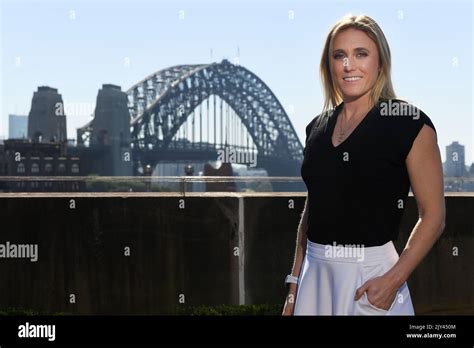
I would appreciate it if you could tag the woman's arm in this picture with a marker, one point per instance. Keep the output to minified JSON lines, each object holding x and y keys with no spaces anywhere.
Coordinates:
{"x":300,"y":253}
{"x":426,"y":178}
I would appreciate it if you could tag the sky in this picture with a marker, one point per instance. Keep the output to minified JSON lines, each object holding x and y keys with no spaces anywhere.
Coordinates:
{"x":76,"y":46}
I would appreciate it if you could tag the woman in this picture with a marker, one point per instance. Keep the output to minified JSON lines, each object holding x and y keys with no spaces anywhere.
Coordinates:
{"x":362,"y":154}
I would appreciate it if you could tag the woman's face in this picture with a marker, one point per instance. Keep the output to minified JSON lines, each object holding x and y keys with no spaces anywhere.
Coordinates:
{"x":354,"y":63}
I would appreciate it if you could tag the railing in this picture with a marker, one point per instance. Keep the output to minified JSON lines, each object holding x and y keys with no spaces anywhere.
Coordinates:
{"x":180,"y":184}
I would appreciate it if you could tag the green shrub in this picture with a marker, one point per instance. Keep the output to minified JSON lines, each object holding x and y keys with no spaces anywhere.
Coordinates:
{"x":220,"y":310}
{"x":230,"y":310}
{"x":27,"y":312}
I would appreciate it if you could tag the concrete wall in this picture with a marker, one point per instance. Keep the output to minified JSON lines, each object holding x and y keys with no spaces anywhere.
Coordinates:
{"x":191,"y":250}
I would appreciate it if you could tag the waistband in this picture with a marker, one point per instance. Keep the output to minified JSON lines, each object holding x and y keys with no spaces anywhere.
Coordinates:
{"x":352,"y":252}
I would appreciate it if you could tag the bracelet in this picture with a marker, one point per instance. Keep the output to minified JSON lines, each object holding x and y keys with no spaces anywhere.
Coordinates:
{"x":291,"y":279}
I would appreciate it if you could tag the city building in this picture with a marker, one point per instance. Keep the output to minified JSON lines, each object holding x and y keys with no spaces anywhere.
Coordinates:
{"x":17,"y":126}
{"x":24,"y":158}
{"x":455,"y":165}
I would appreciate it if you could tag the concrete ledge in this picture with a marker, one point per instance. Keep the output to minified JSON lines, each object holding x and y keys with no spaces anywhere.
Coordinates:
{"x":177,"y":194}
{"x":192,"y":250}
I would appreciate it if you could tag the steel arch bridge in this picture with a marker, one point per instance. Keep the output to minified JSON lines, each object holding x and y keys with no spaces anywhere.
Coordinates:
{"x":163,"y":102}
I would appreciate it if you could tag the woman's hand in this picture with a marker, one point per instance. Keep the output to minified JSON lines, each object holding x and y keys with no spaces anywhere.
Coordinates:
{"x":289,"y":307}
{"x":381,"y":292}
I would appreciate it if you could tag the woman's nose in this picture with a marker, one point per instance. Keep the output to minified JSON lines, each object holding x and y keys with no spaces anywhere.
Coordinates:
{"x":347,"y":63}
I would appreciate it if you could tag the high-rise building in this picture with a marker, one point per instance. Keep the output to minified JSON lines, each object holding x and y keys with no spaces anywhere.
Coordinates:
{"x":455,"y":165}
{"x":17,"y":126}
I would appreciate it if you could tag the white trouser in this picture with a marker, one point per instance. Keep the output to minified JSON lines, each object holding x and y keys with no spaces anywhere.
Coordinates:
{"x":330,"y":276}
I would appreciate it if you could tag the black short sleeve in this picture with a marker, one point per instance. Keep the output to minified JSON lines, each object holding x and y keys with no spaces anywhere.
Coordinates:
{"x":411,"y":128}
{"x":309,"y":128}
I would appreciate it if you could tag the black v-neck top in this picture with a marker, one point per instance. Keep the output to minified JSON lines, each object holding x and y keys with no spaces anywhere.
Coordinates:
{"x":357,"y":191}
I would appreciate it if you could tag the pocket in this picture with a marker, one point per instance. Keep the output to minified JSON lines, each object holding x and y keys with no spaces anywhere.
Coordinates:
{"x":369,"y":272}
{"x":385,"y":311}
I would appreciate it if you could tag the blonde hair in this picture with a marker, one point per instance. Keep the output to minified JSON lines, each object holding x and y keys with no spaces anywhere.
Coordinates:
{"x":383,"y":88}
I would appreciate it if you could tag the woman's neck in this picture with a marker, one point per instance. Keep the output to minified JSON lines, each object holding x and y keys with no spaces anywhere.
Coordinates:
{"x":357,"y":107}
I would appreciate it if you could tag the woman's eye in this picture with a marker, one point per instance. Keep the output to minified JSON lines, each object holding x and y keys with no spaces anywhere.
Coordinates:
{"x":362,"y":54}
{"x":338,"y":56}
